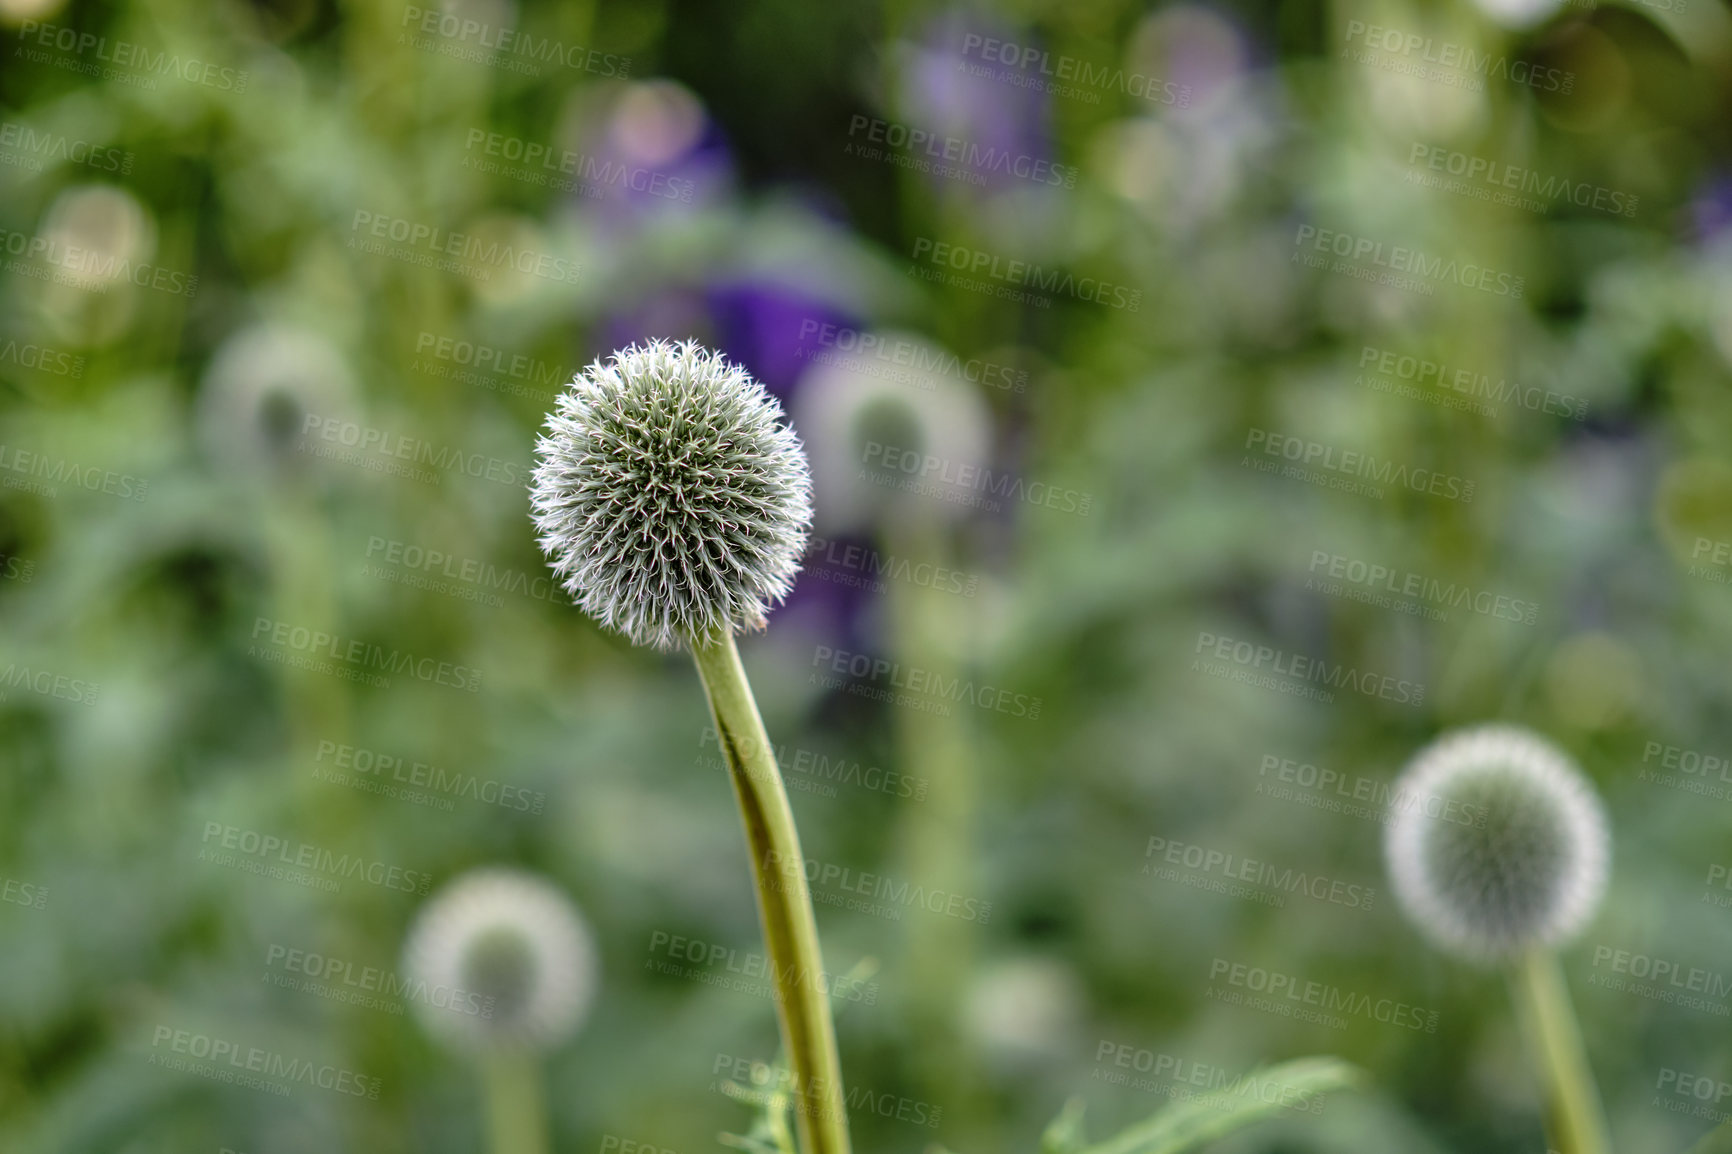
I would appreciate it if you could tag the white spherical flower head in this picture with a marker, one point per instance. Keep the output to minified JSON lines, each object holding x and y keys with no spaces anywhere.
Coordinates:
{"x":1499,"y":843}
{"x":892,"y":439}
{"x":506,"y":962}
{"x":670,"y":497}
{"x":1518,"y":13}
{"x":262,"y":386}
{"x":1025,"y":1009}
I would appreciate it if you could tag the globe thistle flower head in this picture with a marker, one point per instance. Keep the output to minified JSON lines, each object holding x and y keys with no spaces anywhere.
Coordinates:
{"x":1505,"y":846}
{"x":261,"y":386}
{"x":1518,"y":13}
{"x":1024,"y":1011}
{"x":668,"y":495}
{"x":887,"y":447}
{"x":506,"y":960}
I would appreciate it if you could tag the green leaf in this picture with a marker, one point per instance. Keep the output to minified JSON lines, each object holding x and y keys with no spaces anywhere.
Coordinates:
{"x":770,"y":1132}
{"x":1716,"y":1141}
{"x":1187,"y":1124}
{"x":1064,"y":1135}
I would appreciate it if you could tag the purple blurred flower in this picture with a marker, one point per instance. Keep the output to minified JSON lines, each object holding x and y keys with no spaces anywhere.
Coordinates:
{"x":833,"y":593}
{"x":655,"y":151}
{"x":1196,"y":47}
{"x":942,"y":90}
{"x":773,"y":329}
{"x":674,"y":312}
{"x":770,"y":327}
{"x":1711,"y":210}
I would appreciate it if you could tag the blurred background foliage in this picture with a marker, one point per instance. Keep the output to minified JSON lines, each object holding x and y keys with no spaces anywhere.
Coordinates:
{"x":172,"y":516}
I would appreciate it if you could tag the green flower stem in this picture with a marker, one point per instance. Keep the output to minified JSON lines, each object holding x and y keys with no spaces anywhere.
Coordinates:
{"x":784,"y":902}
{"x":936,"y":836}
{"x":1577,"y":1122}
{"x":516,"y":1116}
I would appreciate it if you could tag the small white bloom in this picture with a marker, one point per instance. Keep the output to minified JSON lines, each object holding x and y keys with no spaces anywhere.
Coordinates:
{"x":893,"y":434}
{"x":261,"y":386}
{"x":1025,"y":1010}
{"x":506,"y":959}
{"x":1510,"y":849}
{"x":669,"y":497}
{"x":1519,"y":13}
{"x":106,"y":226}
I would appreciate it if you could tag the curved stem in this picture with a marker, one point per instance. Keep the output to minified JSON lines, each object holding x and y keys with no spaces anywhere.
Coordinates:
{"x":516,"y":1118}
{"x":784,"y":902}
{"x":1575,"y":1117}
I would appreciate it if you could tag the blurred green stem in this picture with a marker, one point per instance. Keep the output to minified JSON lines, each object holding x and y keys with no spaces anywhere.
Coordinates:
{"x":937,"y":833}
{"x":516,"y":1117}
{"x":1574,"y":1115}
{"x":784,"y":902}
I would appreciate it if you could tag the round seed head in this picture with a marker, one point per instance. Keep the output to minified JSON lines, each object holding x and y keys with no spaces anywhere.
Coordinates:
{"x":669,"y":497}
{"x":261,"y":386}
{"x":1518,"y":13}
{"x":1510,"y":850}
{"x":1024,"y":1010}
{"x":892,"y":442}
{"x":516,"y":955}
{"x":107,"y":220}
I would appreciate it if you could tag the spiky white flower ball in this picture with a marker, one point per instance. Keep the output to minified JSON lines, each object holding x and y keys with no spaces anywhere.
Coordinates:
{"x":514,"y":942}
{"x":669,"y":497}
{"x":1511,"y":849}
{"x":890,"y":436}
